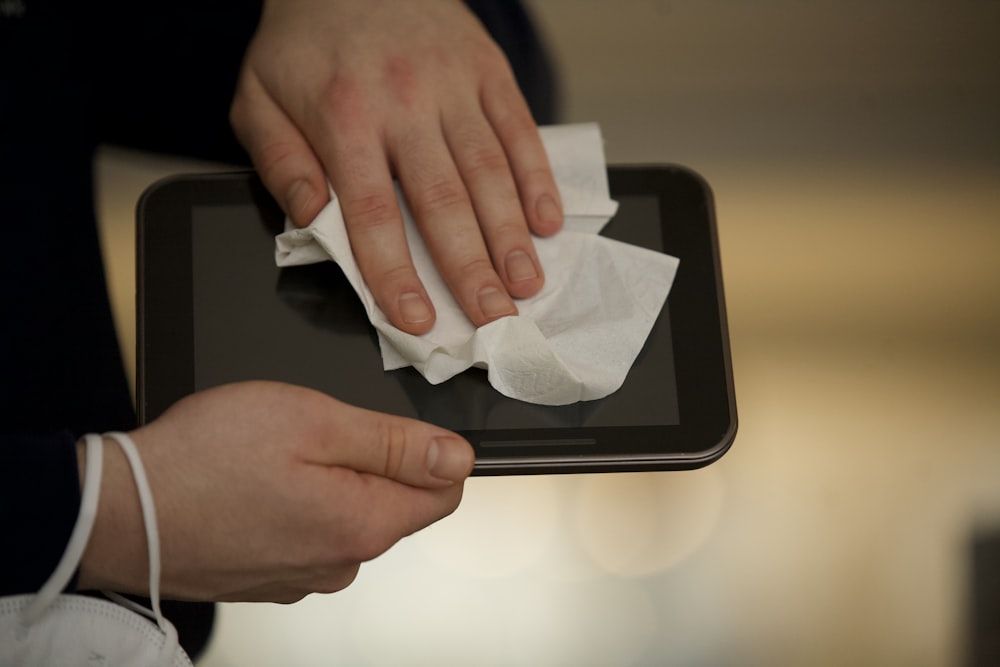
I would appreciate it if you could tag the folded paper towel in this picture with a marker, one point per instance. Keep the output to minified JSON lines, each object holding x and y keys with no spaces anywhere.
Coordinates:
{"x":573,"y":341}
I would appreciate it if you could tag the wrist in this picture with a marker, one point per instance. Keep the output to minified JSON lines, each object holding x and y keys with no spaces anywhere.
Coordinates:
{"x":115,"y":557}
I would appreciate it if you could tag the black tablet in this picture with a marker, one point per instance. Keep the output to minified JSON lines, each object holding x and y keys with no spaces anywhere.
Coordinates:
{"x":212,"y":308}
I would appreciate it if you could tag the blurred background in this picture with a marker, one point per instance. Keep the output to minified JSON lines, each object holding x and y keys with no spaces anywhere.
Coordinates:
{"x":854,"y":152}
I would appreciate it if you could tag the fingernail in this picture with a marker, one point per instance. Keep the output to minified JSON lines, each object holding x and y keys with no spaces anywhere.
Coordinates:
{"x":414,"y":309}
{"x":495,"y":303}
{"x":520,"y":267}
{"x":449,"y":459}
{"x":549,"y":213}
{"x":299,"y":196}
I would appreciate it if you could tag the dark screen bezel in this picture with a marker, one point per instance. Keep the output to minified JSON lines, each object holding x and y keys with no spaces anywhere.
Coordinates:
{"x":165,"y":341}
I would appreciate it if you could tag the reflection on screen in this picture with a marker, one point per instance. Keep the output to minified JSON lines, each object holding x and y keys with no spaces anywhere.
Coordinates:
{"x":306,"y":326}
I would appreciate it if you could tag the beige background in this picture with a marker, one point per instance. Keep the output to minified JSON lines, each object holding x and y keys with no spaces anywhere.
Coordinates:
{"x":854,"y":151}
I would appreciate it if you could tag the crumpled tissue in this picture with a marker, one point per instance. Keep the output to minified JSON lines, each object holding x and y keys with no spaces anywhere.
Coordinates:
{"x":573,"y":341}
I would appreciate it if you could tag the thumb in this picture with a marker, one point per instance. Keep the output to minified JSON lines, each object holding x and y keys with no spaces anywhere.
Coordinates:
{"x":405,"y":450}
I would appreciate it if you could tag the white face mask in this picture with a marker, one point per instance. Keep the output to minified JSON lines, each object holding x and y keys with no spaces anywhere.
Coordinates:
{"x":54,"y":629}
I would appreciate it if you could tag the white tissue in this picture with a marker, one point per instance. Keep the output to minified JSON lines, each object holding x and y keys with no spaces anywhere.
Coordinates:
{"x":573,"y":341}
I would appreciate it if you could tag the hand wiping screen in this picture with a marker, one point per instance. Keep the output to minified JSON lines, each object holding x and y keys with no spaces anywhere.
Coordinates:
{"x":575,"y":340}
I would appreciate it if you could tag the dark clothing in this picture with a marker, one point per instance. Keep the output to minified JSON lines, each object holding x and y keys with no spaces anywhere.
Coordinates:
{"x":75,"y":75}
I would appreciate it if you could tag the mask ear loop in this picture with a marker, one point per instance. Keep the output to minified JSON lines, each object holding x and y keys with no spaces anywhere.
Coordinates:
{"x":78,"y":539}
{"x":170,"y":644}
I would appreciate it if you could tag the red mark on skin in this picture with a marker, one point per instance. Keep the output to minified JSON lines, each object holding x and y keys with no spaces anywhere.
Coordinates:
{"x":401,"y":80}
{"x":346,"y":107}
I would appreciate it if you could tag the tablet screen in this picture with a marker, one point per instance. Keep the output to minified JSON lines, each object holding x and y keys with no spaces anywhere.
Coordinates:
{"x":307,"y":327}
{"x":212,"y":308}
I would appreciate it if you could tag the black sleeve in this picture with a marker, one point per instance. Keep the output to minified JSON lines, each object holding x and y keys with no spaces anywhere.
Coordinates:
{"x":39,"y":503}
{"x":514,"y":29}
{"x":168,"y":77}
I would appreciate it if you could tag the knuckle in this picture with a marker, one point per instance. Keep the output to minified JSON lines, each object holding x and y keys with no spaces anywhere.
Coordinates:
{"x":372,"y":548}
{"x":368,"y":545}
{"x":441,"y":195}
{"x":481,"y":151}
{"x":509,"y":229}
{"x":474,"y":268}
{"x":542,"y":176}
{"x":369,"y":211}
{"x":238,"y":115}
{"x":290,"y":597}
{"x":486,"y":161}
{"x":343,"y":96}
{"x":278,"y":161}
{"x":393,"y":437}
{"x":352,"y":540}
{"x":240,"y":108}
{"x":344,"y":105}
{"x":510,"y":114}
{"x":387,"y":281}
{"x":487,"y":57}
{"x":403,"y":82}
{"x":338,"y":579}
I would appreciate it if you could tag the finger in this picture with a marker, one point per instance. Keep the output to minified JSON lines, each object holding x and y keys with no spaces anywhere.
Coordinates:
{"x":286,"y":164}
{"x":353,"y":151}
{"x":396,"y":448}
{"x":485,"y":170}
{"x":324,"y":581}
{"x":444,"y":214}
{"x":511,"y":119}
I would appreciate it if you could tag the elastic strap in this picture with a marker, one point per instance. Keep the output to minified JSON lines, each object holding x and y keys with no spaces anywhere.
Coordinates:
{"x":78,"y":539}
{"x":153,"y":541}
{"x":77,"y":544}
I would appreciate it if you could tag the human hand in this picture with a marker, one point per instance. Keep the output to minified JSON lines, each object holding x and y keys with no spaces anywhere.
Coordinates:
{"x":359,"y":91}
{"x":269,"y":492}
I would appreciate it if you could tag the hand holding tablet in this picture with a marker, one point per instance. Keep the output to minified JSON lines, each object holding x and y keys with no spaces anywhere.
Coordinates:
{"x":288,"y":491}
